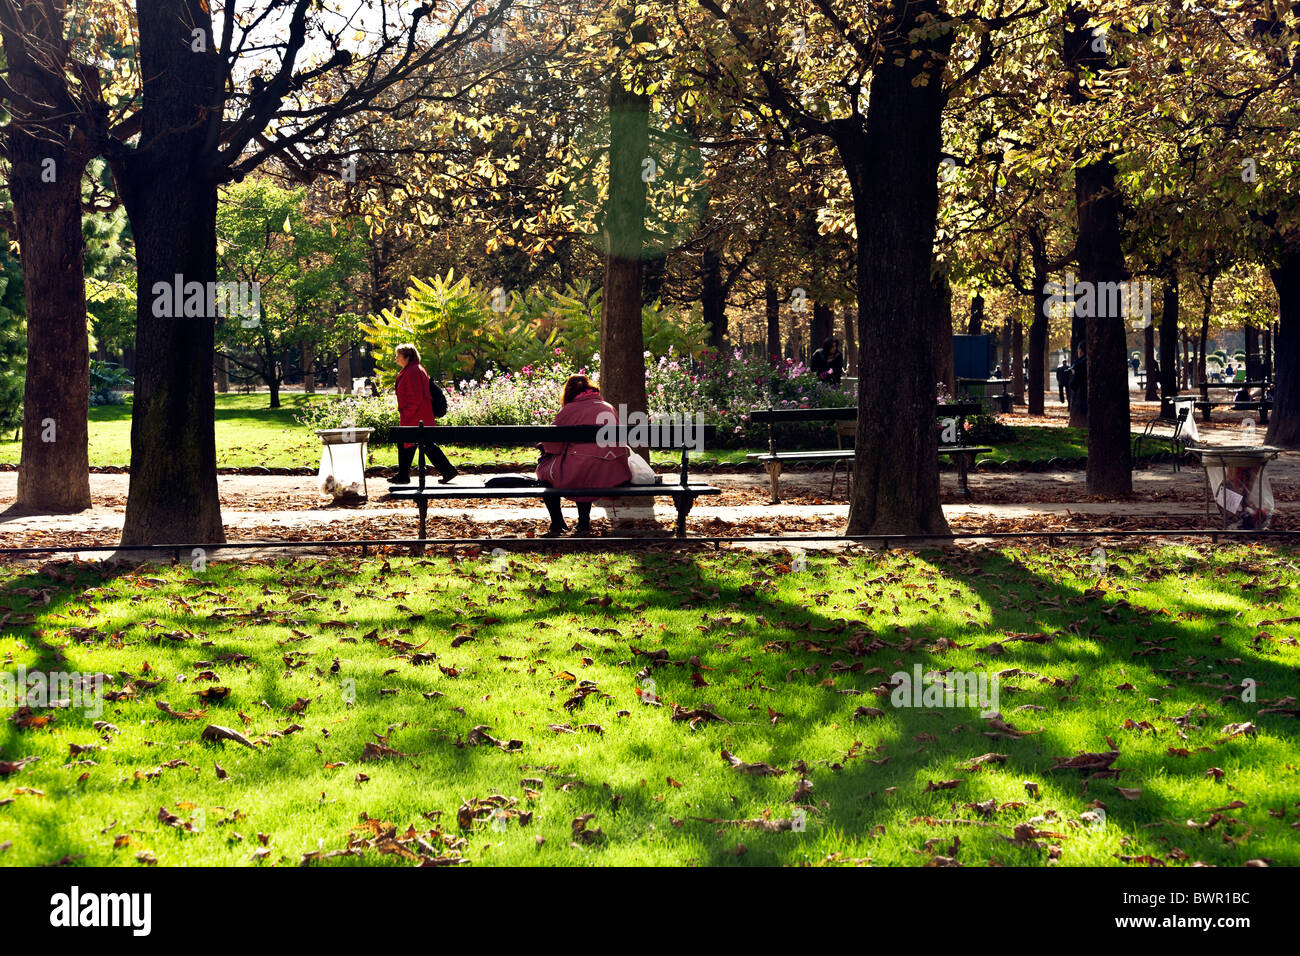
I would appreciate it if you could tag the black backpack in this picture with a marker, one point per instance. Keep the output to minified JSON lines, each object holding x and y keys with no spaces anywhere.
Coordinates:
{"x":438,"y":398}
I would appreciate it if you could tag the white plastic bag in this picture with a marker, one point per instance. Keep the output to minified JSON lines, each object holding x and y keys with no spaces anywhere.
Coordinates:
{"x":642,"y":473}
{"x":342,"y":470}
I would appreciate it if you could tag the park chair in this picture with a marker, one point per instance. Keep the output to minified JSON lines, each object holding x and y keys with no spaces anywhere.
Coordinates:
{"x":1183,"y":433}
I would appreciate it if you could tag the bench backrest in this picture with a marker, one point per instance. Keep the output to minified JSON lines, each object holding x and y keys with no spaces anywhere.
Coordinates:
{"x":660,"y":435}
{"x":777,"y":416}
{"x":670,"y":434}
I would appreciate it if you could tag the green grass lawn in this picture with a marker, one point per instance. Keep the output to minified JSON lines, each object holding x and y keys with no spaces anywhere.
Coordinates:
{"x":360,"y":685}
{"x":250,"y":434}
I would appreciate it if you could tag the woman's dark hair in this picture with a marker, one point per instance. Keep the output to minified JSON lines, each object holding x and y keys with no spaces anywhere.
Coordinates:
{"x":826,"y":346}
{"x":575,"y":386}
{"x":410,"y":351}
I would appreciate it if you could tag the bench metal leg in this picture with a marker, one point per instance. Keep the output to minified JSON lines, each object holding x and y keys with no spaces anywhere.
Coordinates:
{"x":774,"y":473}
{"x":683,"y":503}
{"x":963,"y":462}
{"x":423,"y":506}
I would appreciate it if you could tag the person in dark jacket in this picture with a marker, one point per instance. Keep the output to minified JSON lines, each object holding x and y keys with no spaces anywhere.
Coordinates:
{"x":828,"y":362}
{"x":415,"y":406}
{"x":1079,"y":382}
{"x":1063,"y":381}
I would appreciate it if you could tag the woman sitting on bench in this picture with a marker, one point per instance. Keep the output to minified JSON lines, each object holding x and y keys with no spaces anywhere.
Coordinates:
{"x":581,"y":464}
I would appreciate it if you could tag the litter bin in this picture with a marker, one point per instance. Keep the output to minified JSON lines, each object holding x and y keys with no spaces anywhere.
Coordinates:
{"x":1235,"y":480}
{"x":343,"y":462}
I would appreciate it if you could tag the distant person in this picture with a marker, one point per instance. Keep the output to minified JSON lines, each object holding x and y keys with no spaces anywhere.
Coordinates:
{"x":1136,"y":363}
{"x":1243,"y":395}
{"x":1079,"y":383}
{"x":827,"y":362}
{"x":581,"y":464}
{"x":1063,"y":381}
{"x":415,"y":406}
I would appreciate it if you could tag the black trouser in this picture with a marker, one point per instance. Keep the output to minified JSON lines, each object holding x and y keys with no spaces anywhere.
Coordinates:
{"x":432,"y":453}
{"x":557,"y":516}
{"x":1061,"y":388}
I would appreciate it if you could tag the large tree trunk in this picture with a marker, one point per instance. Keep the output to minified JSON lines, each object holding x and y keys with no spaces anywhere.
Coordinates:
{"x":713,"y":299}
{"x":171,"y":199}
{"x":892,"y":168}
{"x":1284,"y":424}
{"x":622,"y":344}
{"x":1101,"y":259}
{"x":772,"y":309}
{"x":46,"y":167}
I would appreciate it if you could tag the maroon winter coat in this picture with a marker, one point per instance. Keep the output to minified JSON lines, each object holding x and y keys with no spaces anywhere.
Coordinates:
{"x":413,"y":401}
{"x":584,"y":464}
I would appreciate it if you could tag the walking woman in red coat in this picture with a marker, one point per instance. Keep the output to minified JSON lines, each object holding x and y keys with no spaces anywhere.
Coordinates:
{"x":581,"y":464}
{"x":415,"y":406}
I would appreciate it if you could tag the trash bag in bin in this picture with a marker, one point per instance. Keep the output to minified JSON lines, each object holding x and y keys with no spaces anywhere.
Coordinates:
{"x":1243,"y":494}
{"x":343,"y":463}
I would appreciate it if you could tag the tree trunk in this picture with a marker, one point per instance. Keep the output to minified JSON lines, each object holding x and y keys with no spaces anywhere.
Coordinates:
{"x":772,"y":307}
{"x":171,"y":199}
{"x":1149,"y":360}
{"x":1078,"y":336}
{"x":223,"y":372}
{"x":622,"y":345}
{"x":1207,"y":304}
{"x":976,"y":325}
{"x":713,"y":299}
{"x":945,"y":367}
{"x":1168,"y":346}
{"x":1018,"y":362}
{"x":1284,"y":423}
{"x":1268,"y":353}
{"x":345,"y":370}
{"x":851,"y":341}
{"x":1101,"y":260}
{"x":891,"y":166}
{"x":308,"y":368}
{"x":1038,"y":340}
{"x":45,"y":185}
{"x":1254,"y":366}
{"x":823,"y":325}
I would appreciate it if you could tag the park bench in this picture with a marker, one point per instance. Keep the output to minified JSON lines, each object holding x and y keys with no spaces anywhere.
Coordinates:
{"x":978,"y":389}
{"x":962,"y":456}
{"x":1177,"y":440}
{"x":1205,"y":405}
{"x":673,"y":437}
